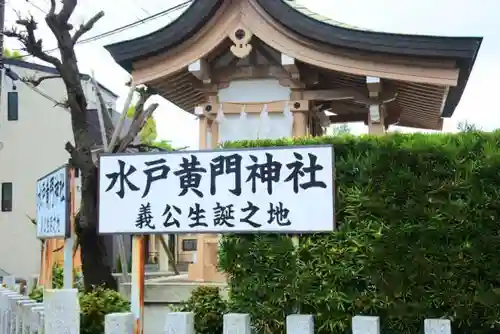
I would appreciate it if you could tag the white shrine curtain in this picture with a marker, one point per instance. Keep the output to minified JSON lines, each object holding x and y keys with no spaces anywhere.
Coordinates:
{"x":262,"y":125}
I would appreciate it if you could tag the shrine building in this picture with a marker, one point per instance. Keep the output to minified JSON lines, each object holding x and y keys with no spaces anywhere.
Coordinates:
{"x":252,"y":69}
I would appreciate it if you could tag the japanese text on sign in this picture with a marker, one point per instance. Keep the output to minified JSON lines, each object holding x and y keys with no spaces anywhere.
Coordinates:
{"x":52,"y":211}
{"x":286,"y":189}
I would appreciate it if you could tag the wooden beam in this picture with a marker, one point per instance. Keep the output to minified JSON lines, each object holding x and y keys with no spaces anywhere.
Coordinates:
{"x":201,"y":70}
{"x":338,"y":108}
{"x":265,"y":53}
{"x":347,"y":118}
{"x":341,"y":94}
{"x":226,"y":74}
{"x":445,"y":97}
{"x":206,"y":88}
{"x":273,"y":107}
{"x":332,"y":94}
{"x":289,"y":65}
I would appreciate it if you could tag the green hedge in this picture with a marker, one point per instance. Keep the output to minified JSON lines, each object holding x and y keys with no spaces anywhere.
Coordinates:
{"x":208,"y":307}
{"x":418,"y":237}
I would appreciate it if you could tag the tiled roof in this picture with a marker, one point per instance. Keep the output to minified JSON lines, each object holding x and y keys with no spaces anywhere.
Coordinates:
{"x":318,"y":17}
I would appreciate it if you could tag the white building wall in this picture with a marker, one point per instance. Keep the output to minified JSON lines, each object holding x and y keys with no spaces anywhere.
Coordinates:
{"x":31,"y":147}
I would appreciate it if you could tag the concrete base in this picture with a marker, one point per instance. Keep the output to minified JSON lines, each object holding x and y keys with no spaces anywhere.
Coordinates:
{"x":161,"y":293}
{"x":147,"y":275}
{"x":170,"y":290}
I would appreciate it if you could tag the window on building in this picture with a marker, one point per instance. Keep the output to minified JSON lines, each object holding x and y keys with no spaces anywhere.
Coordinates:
{"x":12,"y":106}
{"x":189,"y":245}
{"x":6,"y":196}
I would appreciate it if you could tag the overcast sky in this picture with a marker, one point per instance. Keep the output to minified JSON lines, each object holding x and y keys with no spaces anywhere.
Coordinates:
{"x":434,"y":17}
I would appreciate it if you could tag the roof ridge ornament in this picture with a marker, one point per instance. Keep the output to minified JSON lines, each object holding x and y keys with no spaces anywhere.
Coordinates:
{"x":241,"y":38}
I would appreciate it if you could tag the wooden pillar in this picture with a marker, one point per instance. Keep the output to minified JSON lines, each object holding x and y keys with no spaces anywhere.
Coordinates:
{"x":203,"y":129}
{"x":205,"y":267}
{"x":300,"y":124}
{"x":376,"y":115}
{"x":214,"y":130}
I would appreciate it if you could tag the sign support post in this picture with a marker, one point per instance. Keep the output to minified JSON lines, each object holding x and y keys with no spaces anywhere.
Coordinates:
{"x":68,"y":241}
{"x":137,"y":286}
{"x":53,"y":218}
{"x":48,"y":264}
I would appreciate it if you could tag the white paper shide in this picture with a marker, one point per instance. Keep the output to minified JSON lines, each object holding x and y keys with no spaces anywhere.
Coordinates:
{"x":278,"y":189}
{"x":52,"y":209}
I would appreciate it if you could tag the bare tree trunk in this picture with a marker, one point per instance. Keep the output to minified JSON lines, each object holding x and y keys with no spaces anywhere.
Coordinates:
{"x":96,"y":270}
{"x":96,"y":263}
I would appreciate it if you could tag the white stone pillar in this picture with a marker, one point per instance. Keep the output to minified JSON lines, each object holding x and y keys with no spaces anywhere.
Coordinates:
{"x":31,"y":284}
{"x":13,"y":300}
{"x":10,"y":282}
{"x":300,"y":324}
{"x":365,"y":325}
{"x":119,"y":323}
{"x":62,"y":311}
{"x":20,"y":314}
{"x":237,"y":323}
{"x":179,"y":323}
{"x":36,"y":326}
{"x":5,"y":309}
{"x":1,"y":307}
{"x":437,"y":326}
{"x":27,"y":317}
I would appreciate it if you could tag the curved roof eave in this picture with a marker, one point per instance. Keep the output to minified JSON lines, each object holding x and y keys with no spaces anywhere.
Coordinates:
{"x":305,"y":23}
{"x":181,"y":29}
{"x":365,"y":40}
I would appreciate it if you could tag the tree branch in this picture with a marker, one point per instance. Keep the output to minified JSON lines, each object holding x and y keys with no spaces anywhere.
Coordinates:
{"x":108,"y":122}
{"x":58,"y":249}
{"x":144,"y":94}
{"x":137,"y":125}
{"x":65,"y":13}
{"x":52,"y":10}
{"x":37,"y":81}
{"x":29,"y":41}
{"x":84,"y":28}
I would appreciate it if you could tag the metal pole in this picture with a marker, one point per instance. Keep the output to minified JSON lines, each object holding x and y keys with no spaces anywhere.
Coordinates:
{"x":68,"y":242}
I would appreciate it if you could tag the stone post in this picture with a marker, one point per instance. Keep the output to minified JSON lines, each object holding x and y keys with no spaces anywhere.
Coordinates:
{"x":31,"y":284}
{"x":26,"y":315}
{"x":119,"y":323}
{"x":34,"y":320}
{"x":300,"y":324}
{"x":20,"y":314}
{"x":10,"y":282}
{"x":13,"y":300}
{"x":5,"y":309}
{"x":179,"y":323}
{"x":437,"y":326}
{"x":62,"y":311}
{"x":237,"y":323}
{"x":365,"y":325}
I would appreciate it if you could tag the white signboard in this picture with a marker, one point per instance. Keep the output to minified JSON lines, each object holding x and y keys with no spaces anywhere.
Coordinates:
{"x":277,"y":189}
{"x":52,"y":204}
